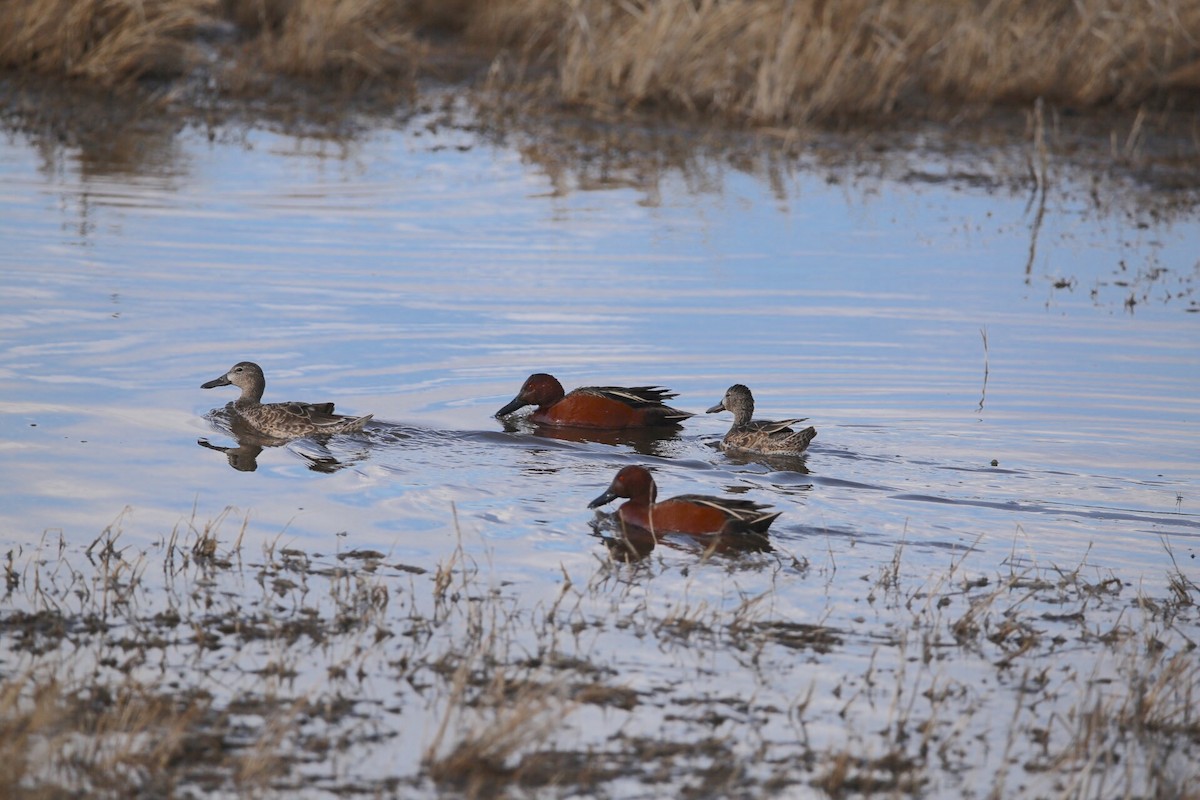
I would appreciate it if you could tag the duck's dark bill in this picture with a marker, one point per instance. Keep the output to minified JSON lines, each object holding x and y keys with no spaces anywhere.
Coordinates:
{"x":607,"y":497}
{"x":516,"y":403}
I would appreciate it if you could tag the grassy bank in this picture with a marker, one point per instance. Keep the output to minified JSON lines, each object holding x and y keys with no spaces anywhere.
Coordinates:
{"x":766,"y":63}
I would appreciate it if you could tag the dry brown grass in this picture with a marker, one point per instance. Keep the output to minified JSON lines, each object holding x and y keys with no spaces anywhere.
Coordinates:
{"x":116,"y":739}
{"x":350,"y":40}
{"x":765,"y":62}
{"x":506,"y":721}
{"x":104,"y":42}
{"x":775,"y":62}
{"x":113,"y":43}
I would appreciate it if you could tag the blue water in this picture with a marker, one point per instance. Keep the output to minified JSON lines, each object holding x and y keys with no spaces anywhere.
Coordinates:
{"x":422,"y":276}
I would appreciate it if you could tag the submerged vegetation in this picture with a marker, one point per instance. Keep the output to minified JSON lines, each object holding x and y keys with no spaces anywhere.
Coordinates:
{"x":192,"y":666}
{"x":767,"y":63}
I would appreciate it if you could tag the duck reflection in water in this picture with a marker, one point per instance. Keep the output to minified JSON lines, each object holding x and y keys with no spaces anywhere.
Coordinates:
{"x":243,"y":458}
{"x":779,"y":463}
{"x":720,"y":524}
{"x":632,"y":544}
{"x":660,"y":441}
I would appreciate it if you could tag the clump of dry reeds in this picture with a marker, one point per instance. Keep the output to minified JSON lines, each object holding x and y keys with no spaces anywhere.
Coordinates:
{"x":766,"y":62}
{"x":778,"y":62}
{"x":103,"y":42}
{"x":113,"y":43}
{"x":346,"y":41}
{"x":131,"y":737}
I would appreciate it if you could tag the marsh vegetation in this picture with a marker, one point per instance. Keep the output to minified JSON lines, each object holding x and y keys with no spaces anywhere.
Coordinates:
{"x":193,"y":666}
{"x":765,"y":63}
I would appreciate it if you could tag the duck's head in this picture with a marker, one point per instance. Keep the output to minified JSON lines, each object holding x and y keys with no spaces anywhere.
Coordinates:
{"x":634,"y":483}
{"x":737,"y":400}
{"x":538,"y":390}
{"x":246,"y":375}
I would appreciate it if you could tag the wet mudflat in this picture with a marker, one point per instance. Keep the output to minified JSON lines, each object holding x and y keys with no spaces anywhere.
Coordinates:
{"x":983,"y":581}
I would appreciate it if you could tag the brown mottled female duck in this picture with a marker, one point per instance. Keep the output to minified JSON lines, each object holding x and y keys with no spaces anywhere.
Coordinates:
{"x":694,"y":514}
{"x":281,"y":420}
{"x":595,"y":406}
{"x":759,"y":437}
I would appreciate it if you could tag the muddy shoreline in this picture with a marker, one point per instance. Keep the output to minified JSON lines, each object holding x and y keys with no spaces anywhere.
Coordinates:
{"x":1154,"y":155}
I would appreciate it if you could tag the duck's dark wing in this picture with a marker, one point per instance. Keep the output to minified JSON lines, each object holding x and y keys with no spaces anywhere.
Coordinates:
{"x":652,"y":397}
{"x":636,"y":396}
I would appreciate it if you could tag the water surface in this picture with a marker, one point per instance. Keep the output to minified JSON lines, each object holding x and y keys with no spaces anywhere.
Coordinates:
{"x":971,"y":402}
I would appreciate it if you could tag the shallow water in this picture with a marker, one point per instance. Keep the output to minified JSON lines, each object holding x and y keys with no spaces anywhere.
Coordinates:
{"x":421,"y":274}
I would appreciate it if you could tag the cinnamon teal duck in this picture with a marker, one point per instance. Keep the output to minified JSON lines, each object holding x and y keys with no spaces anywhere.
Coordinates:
{"x":613,"y":407}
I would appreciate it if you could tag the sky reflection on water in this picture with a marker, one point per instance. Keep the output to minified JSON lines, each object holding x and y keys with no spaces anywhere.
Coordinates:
{"x":423,"y":277}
